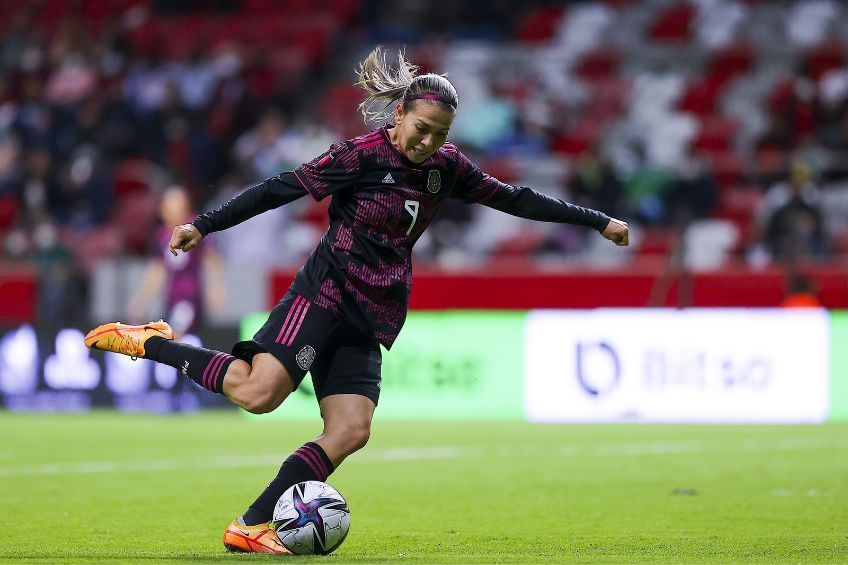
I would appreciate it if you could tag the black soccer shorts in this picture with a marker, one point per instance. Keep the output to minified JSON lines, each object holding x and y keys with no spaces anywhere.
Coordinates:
{"x":306,"y":337}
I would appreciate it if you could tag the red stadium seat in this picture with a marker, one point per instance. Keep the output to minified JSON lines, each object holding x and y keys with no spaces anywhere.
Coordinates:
{"x":716,"y":135}
{"x":131,"y":176}
{"x":826,"y":57}
{"x":520,"y":245}
{"x":9,"y":207}
{"x":672,"y":25}
{"x":656,"y":241}
{"x":701,"y":95}
{"x":733,"y":60}
{"x":539,"y":25}
{"x":597,"y":64}
{"x":739,"y":201}
{"x":727,"y":168}
{"x":135,"y":217}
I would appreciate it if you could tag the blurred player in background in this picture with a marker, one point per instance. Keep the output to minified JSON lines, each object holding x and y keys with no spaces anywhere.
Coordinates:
{"x":352,"y":294}
{"x":181,"y":276}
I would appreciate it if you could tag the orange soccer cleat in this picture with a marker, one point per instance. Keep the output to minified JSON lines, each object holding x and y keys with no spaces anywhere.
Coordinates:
{"x":126,"y":339}
{"x":260,"y":538}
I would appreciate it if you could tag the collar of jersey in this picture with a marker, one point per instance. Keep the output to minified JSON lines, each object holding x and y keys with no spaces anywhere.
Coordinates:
{"x":385,"y":131}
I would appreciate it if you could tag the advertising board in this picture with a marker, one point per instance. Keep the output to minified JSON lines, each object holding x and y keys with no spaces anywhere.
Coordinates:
{"x":716,"y":365}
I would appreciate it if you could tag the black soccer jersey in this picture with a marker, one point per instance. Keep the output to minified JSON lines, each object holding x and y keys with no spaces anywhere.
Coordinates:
{"x":381,"y":204}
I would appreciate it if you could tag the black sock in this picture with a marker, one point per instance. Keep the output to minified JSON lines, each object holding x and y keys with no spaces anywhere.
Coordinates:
{"x":204,"y":366}
{"x":309,"y":463}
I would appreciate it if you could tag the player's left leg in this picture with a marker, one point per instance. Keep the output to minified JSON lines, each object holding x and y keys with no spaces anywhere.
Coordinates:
{"x":347,"y":426}
{"x":346,"y":377}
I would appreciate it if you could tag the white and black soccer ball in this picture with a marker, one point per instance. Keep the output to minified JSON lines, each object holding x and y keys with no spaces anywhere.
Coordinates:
{"x":311,"y":518}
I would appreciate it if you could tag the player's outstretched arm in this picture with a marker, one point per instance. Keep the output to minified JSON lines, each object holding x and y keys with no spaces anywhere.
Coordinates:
{"x":185,"y":237}
{"x":272,"y":193}
{"x":617,"y":232}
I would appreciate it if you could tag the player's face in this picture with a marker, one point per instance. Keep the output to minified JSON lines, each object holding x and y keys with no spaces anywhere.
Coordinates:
{"x":420,"y":131}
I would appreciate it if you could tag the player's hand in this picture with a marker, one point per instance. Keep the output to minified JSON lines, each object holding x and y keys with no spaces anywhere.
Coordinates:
{"x":617,"y":232}
{"x":185,"y":237}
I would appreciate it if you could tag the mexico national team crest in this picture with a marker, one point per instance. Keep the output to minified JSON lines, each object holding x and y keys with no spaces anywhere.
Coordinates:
{"x":305,"y":357}
{"x":434,"y":181}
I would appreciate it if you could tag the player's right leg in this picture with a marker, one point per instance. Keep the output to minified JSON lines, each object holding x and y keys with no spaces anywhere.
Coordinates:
{"x":258,"y":387}
{"x":127,"y":339}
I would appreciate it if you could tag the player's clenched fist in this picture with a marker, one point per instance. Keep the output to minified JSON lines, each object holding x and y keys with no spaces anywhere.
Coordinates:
{"x":617,"y":232}
{"x":185,"y":237}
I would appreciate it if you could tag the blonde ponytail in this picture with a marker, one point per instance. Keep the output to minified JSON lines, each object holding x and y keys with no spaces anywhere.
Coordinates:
{"x":383,"y":85}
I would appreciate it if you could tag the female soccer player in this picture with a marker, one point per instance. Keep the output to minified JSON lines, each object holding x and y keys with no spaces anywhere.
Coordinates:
{"x":351,"y":296}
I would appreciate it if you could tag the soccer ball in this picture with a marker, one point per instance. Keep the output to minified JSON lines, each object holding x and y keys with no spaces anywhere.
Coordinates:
{"x":311,"y":518}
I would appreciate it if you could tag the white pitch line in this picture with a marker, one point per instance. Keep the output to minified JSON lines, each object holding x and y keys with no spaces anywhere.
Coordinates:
{"x":666,"y":447}
{"x":222,"y":462}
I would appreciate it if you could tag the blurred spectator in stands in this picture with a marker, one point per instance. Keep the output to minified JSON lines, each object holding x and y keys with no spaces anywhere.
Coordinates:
{"x":792,"y":112}
{"x":645,"y":189}
{"x":595,"y":183}
{"x":61,"y":285}
{"x":832,"y":109}
{"x":832,"y":123}
{"x":20,"y":41}
{"x":41,"y":191}
{"x":181,"y":278}
{"x":117,"y":129}
{"x":486,"y":120}
{"x":800,"y":292}
{"x":147,"y":89}
{"x":196,"y":80}
{"x":693,"y":193}
{"x":112,"y":50}
{"x":266,"y":149}
{"x":85,"y":189}
{"x":33,"y":119}
{"x":794,"y":230}
{"x":799,"y":182}
{"x":10,"y":167}
{"x":72,"y":77}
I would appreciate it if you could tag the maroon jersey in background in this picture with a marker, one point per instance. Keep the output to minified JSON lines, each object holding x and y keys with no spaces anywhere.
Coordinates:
{"x":382,"y":203}
{"x":183,"y":283}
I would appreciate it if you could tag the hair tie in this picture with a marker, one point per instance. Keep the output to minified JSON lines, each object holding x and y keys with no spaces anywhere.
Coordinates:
{"x":430,"y":96}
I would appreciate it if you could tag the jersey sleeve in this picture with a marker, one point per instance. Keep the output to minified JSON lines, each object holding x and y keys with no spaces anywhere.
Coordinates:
{"x":472,"y":184}
{"x":475,"y":186}
{"x":271,"y":193}
{"x":333,"y":171}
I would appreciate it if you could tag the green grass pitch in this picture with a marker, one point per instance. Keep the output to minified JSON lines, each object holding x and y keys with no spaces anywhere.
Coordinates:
{"x":108,"y":487}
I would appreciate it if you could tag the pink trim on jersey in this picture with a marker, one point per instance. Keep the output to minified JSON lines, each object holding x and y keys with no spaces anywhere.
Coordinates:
{"x":309,"y":190}
{"x":325,"y":159}
{"x":365,"y":139}
{"x":370,"y":144}
{"x":299,"y":323}
{"x":288,"y":317}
